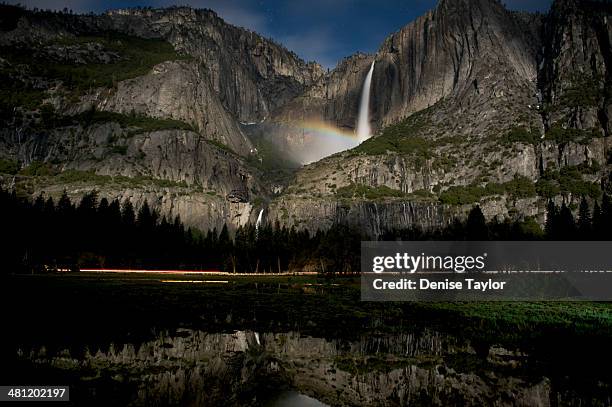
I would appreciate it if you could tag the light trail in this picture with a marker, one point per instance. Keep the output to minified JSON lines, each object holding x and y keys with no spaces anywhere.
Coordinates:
{"x":180,"y":272}
{"x":194,"y":272}
{"x":196,"y":281}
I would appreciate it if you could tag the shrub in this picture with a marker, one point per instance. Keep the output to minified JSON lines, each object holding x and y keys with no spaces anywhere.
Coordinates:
{"x":9,"y":167}
{"x":222,"y":146}
{"x":422,"y":193}
{"x":521,"y":135}
{"x":568,"y":181}
{"x":141,"y":122}
{"x":137,"y":123}
{"x":38,"y":169}
{"x":546,"y":188}
{"x":518,"y":188}
{"x":122,"y":150}
{"x":138,"y":56}
{"x":403,"y":145}
{"x":16,"y":93}
{"x":586,"y":91}
{"x":367,"y":192}
{"x":562,"y":136}
{"x":76,"y":176}
{"x":401,"y":137}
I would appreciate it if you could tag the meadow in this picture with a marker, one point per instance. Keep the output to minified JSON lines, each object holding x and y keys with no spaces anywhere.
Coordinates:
{"x":82,"y":312}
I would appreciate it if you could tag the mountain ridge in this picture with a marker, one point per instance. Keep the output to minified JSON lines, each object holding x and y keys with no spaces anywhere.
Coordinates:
{"x":461,"y":98}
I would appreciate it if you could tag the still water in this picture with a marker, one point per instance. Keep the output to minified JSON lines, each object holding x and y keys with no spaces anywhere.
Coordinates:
{"x":292,"y":398}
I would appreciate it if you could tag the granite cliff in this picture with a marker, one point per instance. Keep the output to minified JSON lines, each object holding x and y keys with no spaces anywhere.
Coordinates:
{"x":471,"y":103}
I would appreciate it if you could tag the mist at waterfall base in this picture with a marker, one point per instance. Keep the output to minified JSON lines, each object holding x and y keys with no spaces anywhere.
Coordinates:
{"x":314,"y":140}
{"x":318,"y":140}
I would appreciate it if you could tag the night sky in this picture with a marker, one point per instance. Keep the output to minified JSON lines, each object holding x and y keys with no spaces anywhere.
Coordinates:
{"x":321,"y":30}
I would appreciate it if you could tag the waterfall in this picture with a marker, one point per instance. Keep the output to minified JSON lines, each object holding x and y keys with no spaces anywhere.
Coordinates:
{"x":363,"y":123}
{"x":258,"y":223}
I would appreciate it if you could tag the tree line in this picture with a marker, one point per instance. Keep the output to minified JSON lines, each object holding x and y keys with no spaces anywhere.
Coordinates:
{"x":44,"y":235}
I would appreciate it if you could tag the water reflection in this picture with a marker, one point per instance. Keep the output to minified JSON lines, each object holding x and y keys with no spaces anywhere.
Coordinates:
{"x":292,"y":398}
{"x":424,"y":367}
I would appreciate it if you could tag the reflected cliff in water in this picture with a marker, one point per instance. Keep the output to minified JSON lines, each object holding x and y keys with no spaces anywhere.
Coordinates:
{"x":192,"y":367}
{"x":294,"y":399}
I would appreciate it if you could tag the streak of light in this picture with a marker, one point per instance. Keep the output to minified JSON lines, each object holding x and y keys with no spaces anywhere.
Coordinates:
{"x":196,"y":281}
{"x":198,"y":272}
{"x":181,"y":272}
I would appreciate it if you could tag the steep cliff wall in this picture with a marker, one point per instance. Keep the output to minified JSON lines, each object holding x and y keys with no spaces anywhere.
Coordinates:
{"x":334,"y":98}
{"x":219,"y":76}
{"x":178,"y":90}
{"x":470,"y":95}
{"x":178,"y":172}
{"x":250,"y":74}
{"x":575,"y":74}
{"x":460,"y":48}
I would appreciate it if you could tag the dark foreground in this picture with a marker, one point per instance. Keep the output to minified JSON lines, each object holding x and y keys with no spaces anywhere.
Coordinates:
{"x":144,"y":340}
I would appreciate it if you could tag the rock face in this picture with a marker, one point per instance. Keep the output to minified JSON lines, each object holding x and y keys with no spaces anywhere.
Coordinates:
{"x":178,"y":172}
{"x":575,"y":71}
{"x":462,"y":49}
{"x":370,"y":218}
{"x":230,"y":75}
{"x":334,"y":98}
{"x":470,"y":73}
{"x":459,"y":49}
{"x":178,"y":90}
{"x":468,"y":94}
{"x":251,"y":75}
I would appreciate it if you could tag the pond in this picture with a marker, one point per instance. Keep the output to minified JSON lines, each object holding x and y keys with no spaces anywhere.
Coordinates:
{"x":292,"y":398}
{"x":141,"y":341}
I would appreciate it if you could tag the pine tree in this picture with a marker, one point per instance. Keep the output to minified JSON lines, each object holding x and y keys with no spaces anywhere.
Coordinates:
{"x":49,"y":207}
{"x":145,"y":220}
{"x":127,"y":214}
{"x":103,"y":207}
{"x":224,"y":241}
{"x":584,"y":220}
{"x":88,"y":205}
{"x":567,"y":226}
{"x":114,"y":214}
{"x":606,"y":217}
{"x":597,"y":224}
{"x":66,"y":224}
{"x":39,"y":204}
{"x":550,"y":227}
{"x":64,"y":205}
{"x":476,"y":226}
